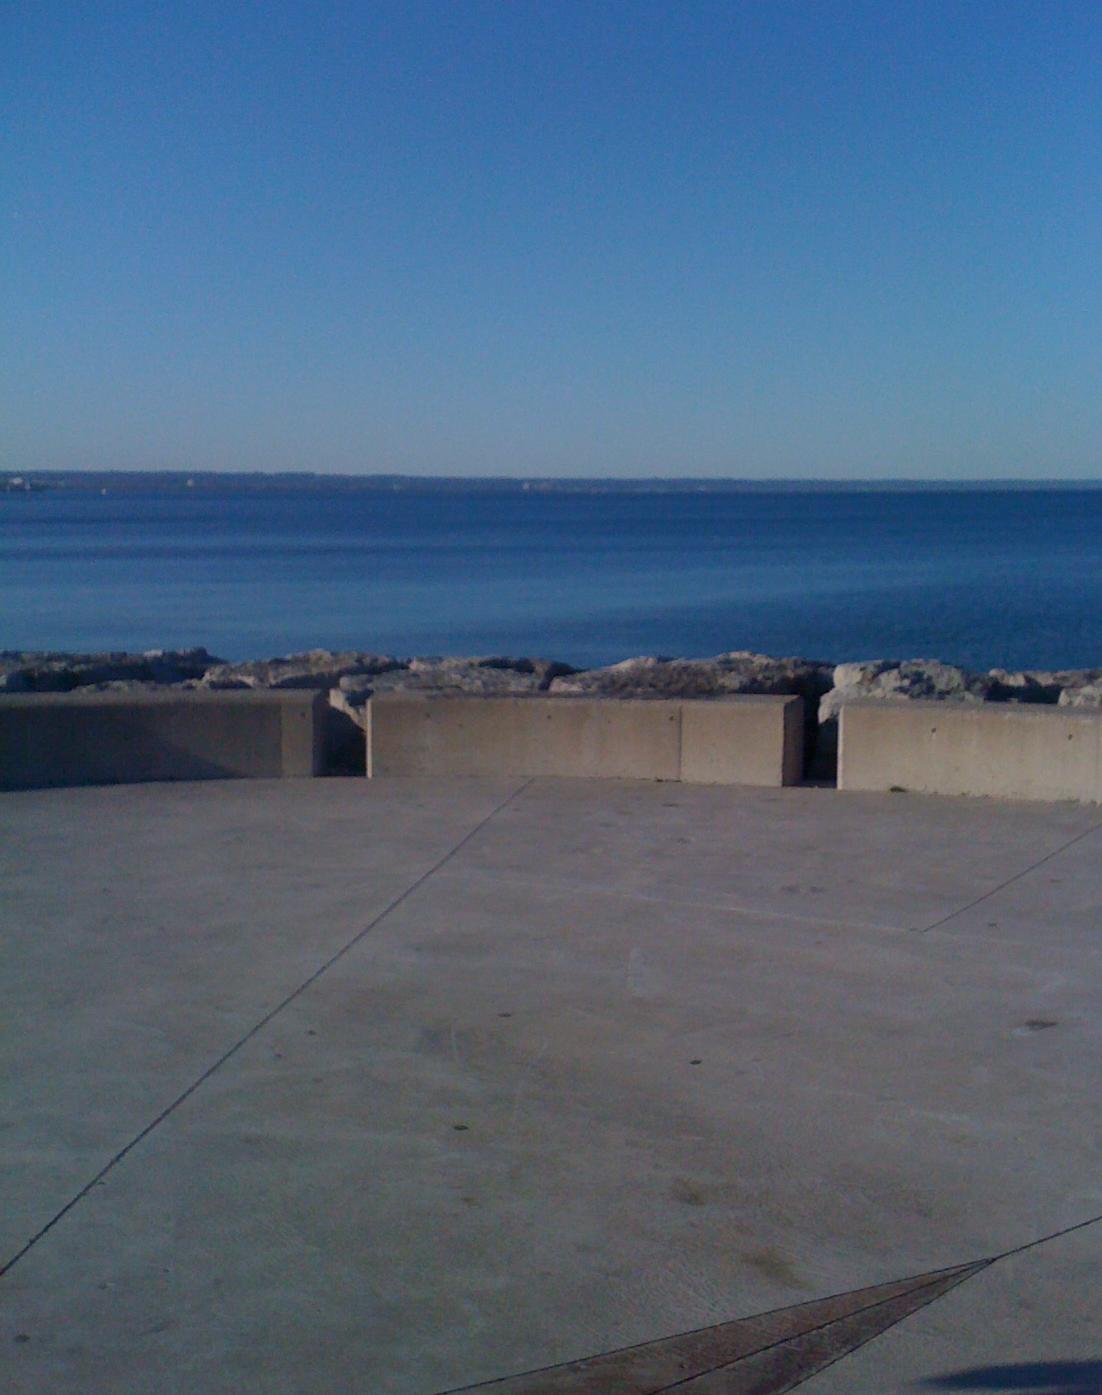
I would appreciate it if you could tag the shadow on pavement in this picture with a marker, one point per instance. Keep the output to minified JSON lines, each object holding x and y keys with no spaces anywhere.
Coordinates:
{"x":1040,"y":1377}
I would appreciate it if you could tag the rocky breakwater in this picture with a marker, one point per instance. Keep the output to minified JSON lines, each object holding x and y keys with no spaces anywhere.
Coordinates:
{"x":47,"y":671}
{"x":352,"y":677}
{"x":1084,"y":695}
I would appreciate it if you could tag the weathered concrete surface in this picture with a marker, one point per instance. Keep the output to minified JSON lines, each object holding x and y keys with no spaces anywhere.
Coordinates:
{"x":740,"y":740}
{"x":1001,"y":751}
{"x":416,"y":735}
{"x":633,"y":1059}
{"x":49,"y":739}
{"x":184,"y":913}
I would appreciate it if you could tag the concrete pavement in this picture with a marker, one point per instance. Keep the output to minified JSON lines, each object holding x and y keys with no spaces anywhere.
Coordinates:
{"x":404,"y":1085}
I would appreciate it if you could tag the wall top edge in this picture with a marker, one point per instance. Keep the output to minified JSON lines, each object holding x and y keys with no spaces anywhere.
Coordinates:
{"x":605,"y":699}
{"x":1028,"y":711}
{"x":239,"y":697}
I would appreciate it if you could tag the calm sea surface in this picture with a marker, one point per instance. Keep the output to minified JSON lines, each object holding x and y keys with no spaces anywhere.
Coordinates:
{"x":1008,"y":578}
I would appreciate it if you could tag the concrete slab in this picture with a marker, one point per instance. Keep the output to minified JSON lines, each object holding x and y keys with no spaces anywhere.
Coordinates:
{"x":145,"y":927}
{"x":878,"y":859}
{"x":1057,"y":907}
{"x":586,"y":1085}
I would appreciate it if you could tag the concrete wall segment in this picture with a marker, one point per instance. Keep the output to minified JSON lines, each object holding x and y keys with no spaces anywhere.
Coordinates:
{"x":750,"y":740}
{"x":1004,"y":750}
{"x":743,"y":740}
{"x":58,"y":739}
{"x":413,"y":735}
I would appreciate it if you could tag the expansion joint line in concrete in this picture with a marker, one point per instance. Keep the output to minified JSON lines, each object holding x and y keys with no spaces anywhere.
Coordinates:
{"x":259,"y":1026}
{"x":1017,"y":877}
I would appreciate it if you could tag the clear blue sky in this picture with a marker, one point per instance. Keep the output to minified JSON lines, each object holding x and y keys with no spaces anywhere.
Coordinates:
{"x":575,"y":237}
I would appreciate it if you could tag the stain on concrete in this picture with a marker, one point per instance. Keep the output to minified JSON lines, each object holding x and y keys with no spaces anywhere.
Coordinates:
{"x":688,"y":1193}
{"x":773,"y":1264}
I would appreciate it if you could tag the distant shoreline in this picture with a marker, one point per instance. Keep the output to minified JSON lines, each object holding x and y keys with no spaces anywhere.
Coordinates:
{"x":257,"y":481}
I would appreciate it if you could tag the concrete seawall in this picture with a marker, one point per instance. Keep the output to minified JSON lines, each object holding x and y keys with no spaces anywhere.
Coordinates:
{"x":51,"y":739}
{"x":1004,"y":751}
{"x":741,"y":740}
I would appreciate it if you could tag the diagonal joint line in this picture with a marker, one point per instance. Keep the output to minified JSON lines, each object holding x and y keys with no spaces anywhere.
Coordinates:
{"x":1047,"y":1239}
{"x":259,"y":1026}
{"x":1017,"y":877}
{"x":978,"y":1267}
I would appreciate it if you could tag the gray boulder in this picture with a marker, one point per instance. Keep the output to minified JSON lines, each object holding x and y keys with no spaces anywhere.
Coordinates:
{"x":495,"y":671}
{"x":1040,"y":685}
{"x":483,"y":677}
{"x":1033,"y":685}
{"x":52,"y":672}
{"x":486,"y":677}
{"x":1086,"y":695}
{"x":318,"y":668}
{"x":887,"y":680}
{"x":737,"y":672}
{"x":137,"y":685}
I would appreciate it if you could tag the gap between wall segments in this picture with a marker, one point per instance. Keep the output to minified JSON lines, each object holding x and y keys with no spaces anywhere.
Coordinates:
{"x":259,"y":1026}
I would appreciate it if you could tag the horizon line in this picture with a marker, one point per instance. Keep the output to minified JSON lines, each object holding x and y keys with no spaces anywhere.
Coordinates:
{"x":389,"y":475}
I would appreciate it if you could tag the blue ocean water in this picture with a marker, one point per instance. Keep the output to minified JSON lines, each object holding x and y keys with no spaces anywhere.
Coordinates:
{"x":978,"y":577}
